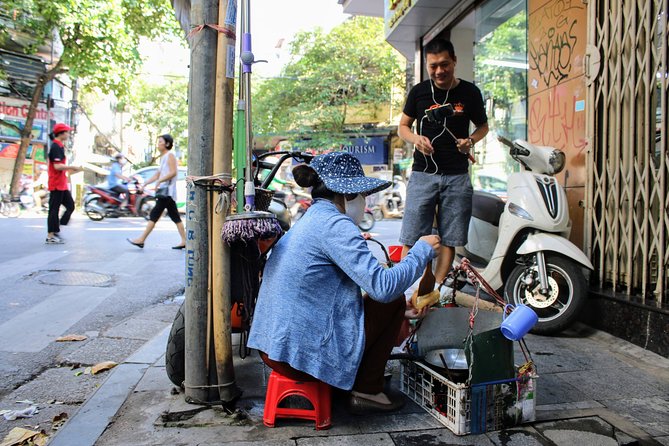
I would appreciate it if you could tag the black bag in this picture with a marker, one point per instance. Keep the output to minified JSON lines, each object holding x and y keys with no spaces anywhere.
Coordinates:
{"x":163,"y":191}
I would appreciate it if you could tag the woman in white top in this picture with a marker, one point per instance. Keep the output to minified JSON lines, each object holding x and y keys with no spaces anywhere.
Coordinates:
{"x":166,"y":174}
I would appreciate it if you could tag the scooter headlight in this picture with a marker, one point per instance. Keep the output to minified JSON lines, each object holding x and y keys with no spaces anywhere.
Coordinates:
{"x":516,"y":210}
{"x":557,"y":160}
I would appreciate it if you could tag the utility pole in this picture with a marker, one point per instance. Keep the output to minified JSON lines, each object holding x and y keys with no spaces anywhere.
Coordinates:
{"x":200,"y":147}
{"x":220,"y":252}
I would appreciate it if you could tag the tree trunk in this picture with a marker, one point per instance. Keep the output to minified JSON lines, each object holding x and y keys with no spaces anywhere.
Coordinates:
{"x":26,"y":133}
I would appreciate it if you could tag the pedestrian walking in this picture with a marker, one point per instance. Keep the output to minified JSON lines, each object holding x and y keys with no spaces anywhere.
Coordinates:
{"x":59,"y":190}
{"x":440,"y":181}
{"x":166,"y":193}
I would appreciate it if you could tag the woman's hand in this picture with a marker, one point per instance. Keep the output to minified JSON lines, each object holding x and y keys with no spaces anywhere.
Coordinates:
{"x":433,"y":240}
{"x":412,"y":312}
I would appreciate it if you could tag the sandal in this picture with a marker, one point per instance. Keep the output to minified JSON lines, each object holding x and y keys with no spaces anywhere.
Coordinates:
{"x":179,"y":247}
{"x":139,"y":245}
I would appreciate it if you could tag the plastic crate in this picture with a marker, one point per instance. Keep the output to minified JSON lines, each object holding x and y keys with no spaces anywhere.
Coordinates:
{"x":469,"y":409}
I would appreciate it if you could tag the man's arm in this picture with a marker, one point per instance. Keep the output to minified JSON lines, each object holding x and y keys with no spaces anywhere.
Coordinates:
{"x":73,"y":169}
{"x":121,"y":176}
{"x":422,"y":143}
{"x":465,"y":146}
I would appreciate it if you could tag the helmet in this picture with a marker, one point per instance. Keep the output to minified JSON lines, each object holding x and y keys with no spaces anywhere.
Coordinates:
{"x":60,"y":128}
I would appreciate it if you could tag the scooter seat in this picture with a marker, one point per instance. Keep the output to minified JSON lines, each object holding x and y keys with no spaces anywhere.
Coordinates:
{"x":109,"y":191}
{"x":487,"y":207}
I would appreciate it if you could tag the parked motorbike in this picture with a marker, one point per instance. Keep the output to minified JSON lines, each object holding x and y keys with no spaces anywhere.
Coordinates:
{"x":522,"y":244}
{"x":100,"y":202}
{"x":27,"y":200}
{"x":303,"y":203}
{"x":393,"y":199}
{"x":175,"y":351}
{"x":8,"y":206}
{"x":377,"y":212}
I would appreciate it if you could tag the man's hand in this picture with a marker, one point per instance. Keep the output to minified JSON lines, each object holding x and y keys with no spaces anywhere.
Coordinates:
{"x":464,"y":145}
{"x":423,"y":145}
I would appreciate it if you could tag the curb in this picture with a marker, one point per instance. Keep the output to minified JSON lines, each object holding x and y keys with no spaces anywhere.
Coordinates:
{"x":97,"y":412}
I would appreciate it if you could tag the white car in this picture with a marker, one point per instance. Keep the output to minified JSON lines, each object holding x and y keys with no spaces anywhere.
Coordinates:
{"x":148,"y":172}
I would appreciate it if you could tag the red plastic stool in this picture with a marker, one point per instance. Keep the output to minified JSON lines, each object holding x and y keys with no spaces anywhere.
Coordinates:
{"x":280,"y":387}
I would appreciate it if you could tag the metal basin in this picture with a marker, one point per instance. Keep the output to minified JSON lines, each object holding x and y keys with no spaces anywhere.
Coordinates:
{"x":453,"y":358}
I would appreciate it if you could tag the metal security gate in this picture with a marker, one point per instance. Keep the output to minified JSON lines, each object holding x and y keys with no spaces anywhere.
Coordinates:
{"x":627,"y":215}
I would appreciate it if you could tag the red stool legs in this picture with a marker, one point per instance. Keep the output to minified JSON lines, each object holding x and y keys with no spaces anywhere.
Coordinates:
{"x":280,"y":387}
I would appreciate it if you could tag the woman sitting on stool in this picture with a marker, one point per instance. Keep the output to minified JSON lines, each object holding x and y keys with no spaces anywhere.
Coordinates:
{"x":311,"y":320}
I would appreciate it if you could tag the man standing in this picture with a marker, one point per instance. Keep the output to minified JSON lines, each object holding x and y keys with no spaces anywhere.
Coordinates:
{"x":440,"y":173}
{"x":59,"y":191}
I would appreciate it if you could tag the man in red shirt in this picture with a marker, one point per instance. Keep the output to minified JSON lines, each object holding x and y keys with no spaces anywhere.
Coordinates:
{"x":59,"y":192}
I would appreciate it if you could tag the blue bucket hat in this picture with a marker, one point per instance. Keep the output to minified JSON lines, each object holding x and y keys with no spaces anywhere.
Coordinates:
{"x":342,"y":173}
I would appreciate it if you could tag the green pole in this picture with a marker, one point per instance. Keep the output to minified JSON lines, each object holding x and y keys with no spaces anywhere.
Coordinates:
{"x":240,"y":152}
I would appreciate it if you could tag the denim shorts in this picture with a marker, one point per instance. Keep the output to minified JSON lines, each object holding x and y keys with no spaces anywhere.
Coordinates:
{"x":449,"y":196}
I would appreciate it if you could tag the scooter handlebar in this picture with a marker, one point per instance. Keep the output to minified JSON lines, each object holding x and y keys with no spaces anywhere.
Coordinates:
{"x":505,"y":141}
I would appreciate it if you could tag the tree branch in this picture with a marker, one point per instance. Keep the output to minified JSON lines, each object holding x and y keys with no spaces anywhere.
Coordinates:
{"x":97,"y":129}
{"x":12,"y":126}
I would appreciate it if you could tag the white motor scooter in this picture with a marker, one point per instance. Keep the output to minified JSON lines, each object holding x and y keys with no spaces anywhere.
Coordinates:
{"x":522,"y":244}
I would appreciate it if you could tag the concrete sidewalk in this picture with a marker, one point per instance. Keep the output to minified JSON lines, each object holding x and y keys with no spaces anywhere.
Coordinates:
{"x":593,"y":389}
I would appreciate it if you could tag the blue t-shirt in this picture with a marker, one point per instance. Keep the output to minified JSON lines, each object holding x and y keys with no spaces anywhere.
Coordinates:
{"x":112,"y":179}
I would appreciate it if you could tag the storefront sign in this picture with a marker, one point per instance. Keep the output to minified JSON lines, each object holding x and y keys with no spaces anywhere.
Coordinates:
{"x":399,"y":8}
{"x":368,"y":150}
{"x":15,"y":112}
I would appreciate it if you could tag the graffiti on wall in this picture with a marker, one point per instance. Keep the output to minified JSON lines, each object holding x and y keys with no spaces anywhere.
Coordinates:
{"x":557,"y":41}
{"x":556,"y":118}
{"x":556,"y":84}
{"x":557,"y":92}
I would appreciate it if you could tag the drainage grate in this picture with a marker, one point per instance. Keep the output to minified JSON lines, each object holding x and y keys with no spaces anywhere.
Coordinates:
{"x":73,"y":278}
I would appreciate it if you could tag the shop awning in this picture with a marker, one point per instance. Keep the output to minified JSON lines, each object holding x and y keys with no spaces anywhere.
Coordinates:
{"x":406,"y":21}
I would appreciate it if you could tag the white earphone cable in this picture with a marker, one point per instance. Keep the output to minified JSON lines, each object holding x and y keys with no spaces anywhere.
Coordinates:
{"x":420,"y":128}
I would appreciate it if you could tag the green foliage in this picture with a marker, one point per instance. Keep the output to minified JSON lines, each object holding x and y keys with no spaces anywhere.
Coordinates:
{"x":99,"y":37}
{"x":327,"y":74}
{"x":508,"y":42}
{"x":160,"y":109}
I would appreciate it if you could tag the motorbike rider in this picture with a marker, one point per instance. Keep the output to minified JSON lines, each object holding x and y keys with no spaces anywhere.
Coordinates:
{"x":116,"y":176}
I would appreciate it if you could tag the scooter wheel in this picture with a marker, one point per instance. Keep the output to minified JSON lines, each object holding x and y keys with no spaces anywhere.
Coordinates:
{"x":146,"y":206}
{"x":175,"y":353}
{"x":91,"y":209}
{"x":367,"y":222}
{"x":565,"y":299}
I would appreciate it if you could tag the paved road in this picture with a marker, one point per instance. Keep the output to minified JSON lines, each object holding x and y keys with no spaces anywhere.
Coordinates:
{"x":85,"y":286}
